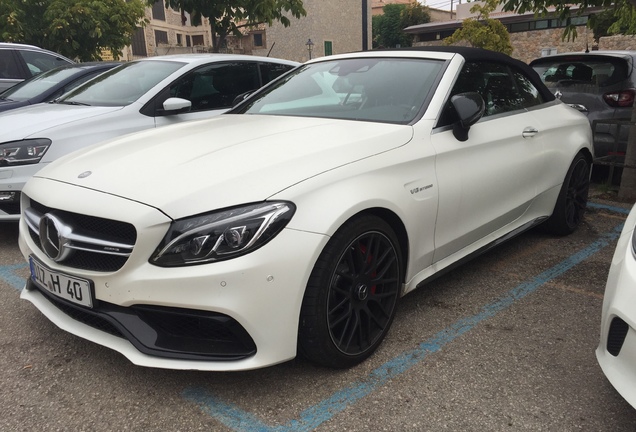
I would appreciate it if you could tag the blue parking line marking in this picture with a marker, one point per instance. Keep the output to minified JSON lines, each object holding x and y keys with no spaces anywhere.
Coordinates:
{"x":608,"y":207}
{"x":242,"y":421}
{"x":7,"y":274}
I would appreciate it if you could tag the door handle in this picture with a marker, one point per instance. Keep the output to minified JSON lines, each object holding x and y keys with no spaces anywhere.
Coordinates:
{"x":529,"y":132}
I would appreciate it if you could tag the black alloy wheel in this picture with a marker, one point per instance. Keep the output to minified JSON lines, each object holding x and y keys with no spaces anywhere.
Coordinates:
{"x":572,"y":201}
{"x":352,"y":294}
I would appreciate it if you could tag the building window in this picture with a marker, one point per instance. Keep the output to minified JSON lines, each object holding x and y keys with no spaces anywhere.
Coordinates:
{"x":328,"y":48}
{"x":188,"y":40}
{"x":519,"y":27}
{"x":161,"y":37}
{"x":179,"y":39}
{"x":159,"y":11}
{"x":258,"y":40}
{"x":139,"y":43}
{"x":197,"y":40}
{"x":578,"y":21}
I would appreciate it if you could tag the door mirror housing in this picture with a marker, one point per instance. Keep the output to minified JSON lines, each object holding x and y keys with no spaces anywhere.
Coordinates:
{"x":470,"y":108}
{"x":175,"y":105}
{"x":240,"y":98}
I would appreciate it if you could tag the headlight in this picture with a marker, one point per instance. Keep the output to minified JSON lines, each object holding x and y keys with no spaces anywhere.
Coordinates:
{"x":222,"y":235}
{"x":23,"y":152}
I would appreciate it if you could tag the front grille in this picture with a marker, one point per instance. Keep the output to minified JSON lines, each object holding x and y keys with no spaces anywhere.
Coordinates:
{"x":616,"y":336}
{"x":12,"y":208}
{"x":95,"y":228}
{"x":163,"y":331}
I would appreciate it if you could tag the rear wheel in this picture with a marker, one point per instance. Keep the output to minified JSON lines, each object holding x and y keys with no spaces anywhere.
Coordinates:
{"x":570,"y":206}
{"x":352,"y":293}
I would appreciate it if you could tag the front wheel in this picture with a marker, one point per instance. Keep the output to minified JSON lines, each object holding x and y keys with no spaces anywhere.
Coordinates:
{"x":352,"y":293}
{"x":570,"y":206}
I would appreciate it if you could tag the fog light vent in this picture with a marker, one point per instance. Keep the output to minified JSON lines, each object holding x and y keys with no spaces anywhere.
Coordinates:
{"x":616,"y":336}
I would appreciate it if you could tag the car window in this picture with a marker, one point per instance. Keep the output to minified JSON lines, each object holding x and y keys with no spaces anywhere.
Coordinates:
{"x":503,"y":90}
{"x":8,"y":66}
{"x":391,"y":90}
{"x":528,"y":92}
{"x":271,"y":71}
{"x":39,"y":62}
{"x":580,"y":71}
{"x":36,"y":85}
{"x":122,"y":85}
{"x":216,"y":85}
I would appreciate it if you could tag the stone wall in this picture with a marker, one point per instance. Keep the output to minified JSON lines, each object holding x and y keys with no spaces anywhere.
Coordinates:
{"x":335,"y":21}
{"x":533,"y":44}
{"x":530,"y":45}
{"x":619,"y":42}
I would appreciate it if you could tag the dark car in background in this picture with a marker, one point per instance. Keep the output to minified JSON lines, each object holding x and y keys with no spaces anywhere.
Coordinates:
{"x":601,"y":84}
{"x":51,"y":84}
{"x":19,"y":62}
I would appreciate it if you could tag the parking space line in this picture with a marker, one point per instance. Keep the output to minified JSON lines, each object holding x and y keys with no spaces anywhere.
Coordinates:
{"x":243,"y":421}
{"x":7,"y":274}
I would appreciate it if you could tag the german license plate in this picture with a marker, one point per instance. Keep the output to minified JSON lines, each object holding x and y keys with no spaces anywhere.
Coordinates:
{"x":70,"y":288}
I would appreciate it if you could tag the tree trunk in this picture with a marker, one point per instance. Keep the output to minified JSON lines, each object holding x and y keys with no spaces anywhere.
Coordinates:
{"x":215,"y":39}
{"x":627,"y":189}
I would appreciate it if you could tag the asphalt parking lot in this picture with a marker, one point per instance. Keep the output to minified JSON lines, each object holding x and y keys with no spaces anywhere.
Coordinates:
{"x":505,"y":342}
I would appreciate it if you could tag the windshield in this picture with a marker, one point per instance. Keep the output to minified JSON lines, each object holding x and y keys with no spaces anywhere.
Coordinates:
{"x":389,"y":90}
{"x":123,"y":85}
{"x":38,"y":84}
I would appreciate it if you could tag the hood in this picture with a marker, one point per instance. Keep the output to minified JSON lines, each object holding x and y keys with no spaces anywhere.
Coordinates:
{"x":33,"y":121}
{"x":8,"y":104}
{"x":195,"y":167}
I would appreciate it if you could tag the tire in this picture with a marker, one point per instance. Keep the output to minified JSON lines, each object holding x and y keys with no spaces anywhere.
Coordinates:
{"x":570,"y":206}
{"x":351,"y":296}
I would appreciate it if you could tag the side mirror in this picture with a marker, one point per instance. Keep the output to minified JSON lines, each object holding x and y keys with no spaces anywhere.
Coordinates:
{"x":240,"y":98}
{"x":470,"y":108}
{"x":175,"y":105}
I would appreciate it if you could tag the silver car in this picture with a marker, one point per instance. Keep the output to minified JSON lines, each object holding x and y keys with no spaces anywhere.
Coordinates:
{"x":600,"y":84}
{"x":19,"y":62}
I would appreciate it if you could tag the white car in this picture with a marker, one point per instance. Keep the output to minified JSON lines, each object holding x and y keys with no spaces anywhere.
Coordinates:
{"x":296,"y":221}
{"x":616,"y":352}
{"x":138,"y":95}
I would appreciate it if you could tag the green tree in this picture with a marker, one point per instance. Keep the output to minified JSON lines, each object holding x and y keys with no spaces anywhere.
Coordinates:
{"x":626,"y":21}
{"x":388,"y":28}
{"x":78,"y":29}
{"x":482,"y":31}
{"x":228,"y":17}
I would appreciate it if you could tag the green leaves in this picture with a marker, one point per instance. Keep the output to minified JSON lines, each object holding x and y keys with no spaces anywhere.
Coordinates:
{"x":230,"y":16}
{"x":388,"y":27}
{"x":483,"y":32}
{"x":77,"y":29}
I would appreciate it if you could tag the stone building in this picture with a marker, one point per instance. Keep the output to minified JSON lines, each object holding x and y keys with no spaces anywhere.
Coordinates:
{"x":330,"y":27}
{"x":531,"y":36}
{"x":168,"y":32}
{"x":377,"y":5}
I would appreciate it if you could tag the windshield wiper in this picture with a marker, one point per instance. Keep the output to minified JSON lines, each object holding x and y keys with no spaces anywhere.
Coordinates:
{"x":72,"y":103}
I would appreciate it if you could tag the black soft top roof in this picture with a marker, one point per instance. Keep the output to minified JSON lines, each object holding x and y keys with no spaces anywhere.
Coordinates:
{"x":479,"y":54}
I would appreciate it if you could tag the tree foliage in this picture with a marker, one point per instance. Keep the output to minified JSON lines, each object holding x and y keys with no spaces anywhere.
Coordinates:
{"x":482,"y":31}
{"x":77,"y":29}
{"x":229,"y":17}
{"x":388,"y":28}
